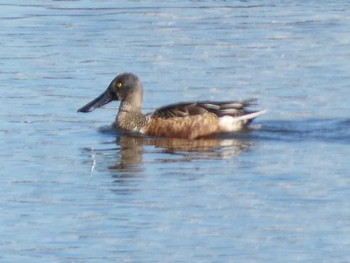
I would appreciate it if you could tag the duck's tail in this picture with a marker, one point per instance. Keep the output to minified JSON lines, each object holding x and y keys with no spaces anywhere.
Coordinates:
{"x":232,"y":124}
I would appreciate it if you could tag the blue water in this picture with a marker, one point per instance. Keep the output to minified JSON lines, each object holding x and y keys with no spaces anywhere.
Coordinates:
{"x":71,"y":190}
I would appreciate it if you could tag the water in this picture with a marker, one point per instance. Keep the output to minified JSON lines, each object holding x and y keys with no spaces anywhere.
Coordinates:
{"x":73,"y":191}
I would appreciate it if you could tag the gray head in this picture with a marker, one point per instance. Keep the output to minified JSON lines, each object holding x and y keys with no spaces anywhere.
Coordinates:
{"x":125,"y":87}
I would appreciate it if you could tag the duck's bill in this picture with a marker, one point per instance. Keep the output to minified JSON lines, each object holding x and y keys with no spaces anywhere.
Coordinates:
{"x":101,"y":100}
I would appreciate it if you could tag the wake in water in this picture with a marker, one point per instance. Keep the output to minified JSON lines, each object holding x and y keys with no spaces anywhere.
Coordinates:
{"x":327,"y":130}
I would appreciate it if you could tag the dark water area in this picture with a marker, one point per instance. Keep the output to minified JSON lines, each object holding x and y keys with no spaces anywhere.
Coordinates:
{"x":307,"y":130}
{"x":74,"y":190}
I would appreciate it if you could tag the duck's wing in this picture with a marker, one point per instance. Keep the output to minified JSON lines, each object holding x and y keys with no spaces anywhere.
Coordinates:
{"x":218,"y":108}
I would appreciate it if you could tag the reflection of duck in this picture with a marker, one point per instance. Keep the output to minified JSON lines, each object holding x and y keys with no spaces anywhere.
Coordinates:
{"x":183,"y":120}
{"x":132,"y":149}
{"x":204,"y":145}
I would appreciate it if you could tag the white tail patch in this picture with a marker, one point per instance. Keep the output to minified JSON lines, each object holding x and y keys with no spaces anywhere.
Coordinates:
{"x":232,"y":124}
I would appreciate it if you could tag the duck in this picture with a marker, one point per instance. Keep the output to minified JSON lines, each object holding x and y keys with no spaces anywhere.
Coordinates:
{"x":184,"y":120}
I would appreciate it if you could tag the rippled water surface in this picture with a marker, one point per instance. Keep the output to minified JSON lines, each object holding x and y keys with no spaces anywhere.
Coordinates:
{"x":71,"y":190}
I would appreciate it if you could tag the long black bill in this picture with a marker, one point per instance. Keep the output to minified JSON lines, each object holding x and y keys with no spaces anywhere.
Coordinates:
{"x":101,"y":100}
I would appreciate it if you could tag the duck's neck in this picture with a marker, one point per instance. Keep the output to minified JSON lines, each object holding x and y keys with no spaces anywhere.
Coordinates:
{"x":126,"y":106}
{"x":133,"y":101}
{"x":130,"y":116}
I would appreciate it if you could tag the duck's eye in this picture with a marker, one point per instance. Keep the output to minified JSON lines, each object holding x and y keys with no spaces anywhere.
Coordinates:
{"x":119,"y":84}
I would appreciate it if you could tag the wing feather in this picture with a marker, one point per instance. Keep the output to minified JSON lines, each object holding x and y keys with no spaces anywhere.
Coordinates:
{"x":218,"y":108}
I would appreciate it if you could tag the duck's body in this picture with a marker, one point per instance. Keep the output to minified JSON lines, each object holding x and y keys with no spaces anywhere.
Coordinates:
{"x":183,"y":120}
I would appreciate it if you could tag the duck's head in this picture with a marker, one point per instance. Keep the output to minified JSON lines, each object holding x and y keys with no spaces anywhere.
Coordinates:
{"x":125,"y":87}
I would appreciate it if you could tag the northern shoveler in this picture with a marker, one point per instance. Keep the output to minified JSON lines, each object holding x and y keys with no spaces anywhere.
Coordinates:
{"x":188,"y":120}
